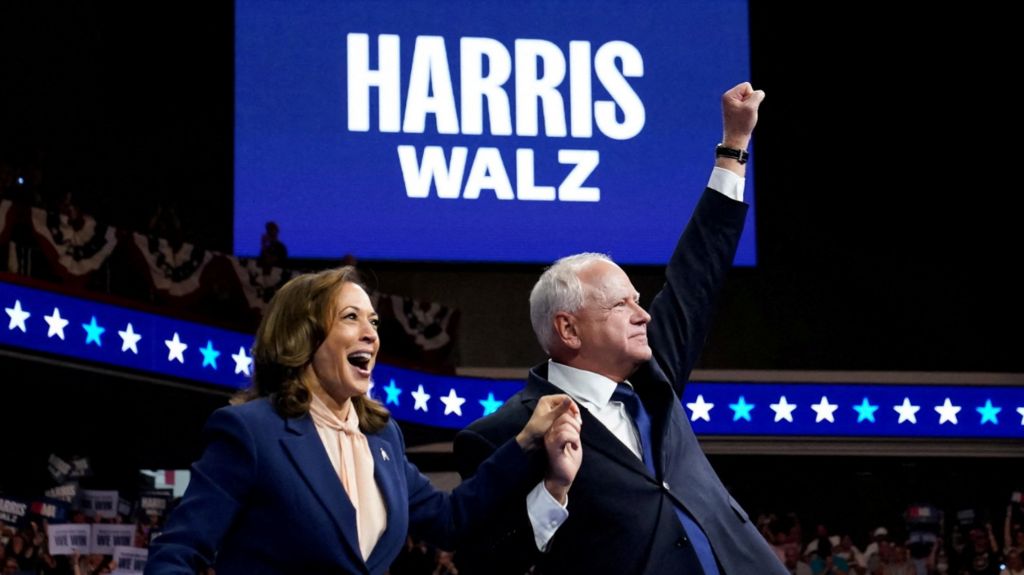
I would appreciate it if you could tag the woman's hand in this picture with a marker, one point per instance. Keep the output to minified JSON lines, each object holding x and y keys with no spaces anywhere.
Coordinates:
{"x":548,"y":409}
{"x":565,"y":452}
{"x":555,"y":426}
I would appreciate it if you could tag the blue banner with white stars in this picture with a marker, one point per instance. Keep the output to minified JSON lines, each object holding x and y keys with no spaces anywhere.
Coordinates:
{"x":855,"y":410}
{"x":119,"y":337}
{"x":439,"y":400}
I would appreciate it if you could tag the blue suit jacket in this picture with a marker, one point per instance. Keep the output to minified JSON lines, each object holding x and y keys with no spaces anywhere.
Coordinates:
{"x":622,"y":518}
{"x":264,"y":498}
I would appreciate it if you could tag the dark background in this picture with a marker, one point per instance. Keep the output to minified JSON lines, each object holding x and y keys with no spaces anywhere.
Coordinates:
{"x":888,"y":219}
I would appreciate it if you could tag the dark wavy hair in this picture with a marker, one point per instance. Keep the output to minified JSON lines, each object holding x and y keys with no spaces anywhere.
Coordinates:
{"x":296,"y":322}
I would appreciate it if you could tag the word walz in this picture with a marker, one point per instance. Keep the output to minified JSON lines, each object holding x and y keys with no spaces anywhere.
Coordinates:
{"x":488,"y":172}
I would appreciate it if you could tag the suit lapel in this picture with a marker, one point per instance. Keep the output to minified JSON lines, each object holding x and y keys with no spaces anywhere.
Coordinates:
{"x":307,"y":454}
{"x":596,"y":436}
{"x":660,"y":401}
{"x":386,"y":470}
{"x":593,"y":433}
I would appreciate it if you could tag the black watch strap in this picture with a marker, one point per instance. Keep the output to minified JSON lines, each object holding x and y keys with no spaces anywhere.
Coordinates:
{"x":740,"y":156}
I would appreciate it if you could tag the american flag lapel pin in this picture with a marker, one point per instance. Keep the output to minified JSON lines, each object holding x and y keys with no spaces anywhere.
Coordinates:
{"x":384,"y":455}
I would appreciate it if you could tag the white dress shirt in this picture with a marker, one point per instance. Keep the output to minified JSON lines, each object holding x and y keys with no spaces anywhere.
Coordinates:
{"x":594,"y":393}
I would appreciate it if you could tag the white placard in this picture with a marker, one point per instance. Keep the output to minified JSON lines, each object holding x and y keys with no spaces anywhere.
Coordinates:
{"x":130,"y":559}
{"x":98,"y":503}
{"x":67,"y":538}
{"x":107,"y":536}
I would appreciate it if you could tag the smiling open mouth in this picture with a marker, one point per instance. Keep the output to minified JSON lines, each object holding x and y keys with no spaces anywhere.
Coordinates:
{"x":361,"y":359}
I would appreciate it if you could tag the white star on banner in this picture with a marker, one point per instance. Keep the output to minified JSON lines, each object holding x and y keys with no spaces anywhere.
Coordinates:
{"x":421,"y":397}
{"x":783,"y":410}
{"x":947,"y":412}
{"x":453,"y":403}
{"x":907,"y":411}
{"x":18,"y":316}
{"x":824,"y":409}
{"x":129,"y":339}
{"x":176,"y":349}
{"x":244,"y":362}
{"x":700,"y":409}
{"x":56,"y":323}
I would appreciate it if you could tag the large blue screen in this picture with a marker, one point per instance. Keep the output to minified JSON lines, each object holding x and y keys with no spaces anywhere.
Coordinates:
{"x":480,"y":130}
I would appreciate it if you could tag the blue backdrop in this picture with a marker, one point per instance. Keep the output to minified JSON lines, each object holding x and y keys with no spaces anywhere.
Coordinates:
{"x":341,"y":109}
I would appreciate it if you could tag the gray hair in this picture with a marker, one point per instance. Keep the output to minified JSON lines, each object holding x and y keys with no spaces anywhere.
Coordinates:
{"x":558,"y":289}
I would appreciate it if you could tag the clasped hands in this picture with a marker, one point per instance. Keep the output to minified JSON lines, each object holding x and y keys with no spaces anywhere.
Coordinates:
{"x":555,"y":427}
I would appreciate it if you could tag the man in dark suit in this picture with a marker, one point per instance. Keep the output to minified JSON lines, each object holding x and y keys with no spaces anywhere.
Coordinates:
{"x":645,"y":499}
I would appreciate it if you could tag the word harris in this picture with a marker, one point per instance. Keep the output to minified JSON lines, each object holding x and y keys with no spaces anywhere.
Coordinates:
{"x":541,"y":68}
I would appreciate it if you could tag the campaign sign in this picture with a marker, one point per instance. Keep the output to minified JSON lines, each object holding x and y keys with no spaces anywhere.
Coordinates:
{"x":58,"y":468}
{"x":130,"y":559}
{"x":480,"y":130}
{"x":69,"y":538}
{"x":67,"y":492}
{"x":53,"y":510}
{"x":98,"y":503}
{"x":80,"y":467}
{"x":155,"y":501}
{"x":12,"y":511}
{"x":107,"y":536}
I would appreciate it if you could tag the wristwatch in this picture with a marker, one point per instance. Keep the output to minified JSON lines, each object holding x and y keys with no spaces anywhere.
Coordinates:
{"x":741,"y":156}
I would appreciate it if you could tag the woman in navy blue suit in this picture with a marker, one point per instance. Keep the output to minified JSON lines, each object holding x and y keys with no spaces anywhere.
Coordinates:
{"x":306,"y":474}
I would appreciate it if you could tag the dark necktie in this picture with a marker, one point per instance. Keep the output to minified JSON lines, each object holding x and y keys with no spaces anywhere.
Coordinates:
{"x":631,"y":401}
{"x":701,"y":545}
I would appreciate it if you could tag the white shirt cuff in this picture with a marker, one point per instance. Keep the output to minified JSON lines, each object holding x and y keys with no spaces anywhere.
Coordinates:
{"x":546,"y":515}
{"x":727,"y":183}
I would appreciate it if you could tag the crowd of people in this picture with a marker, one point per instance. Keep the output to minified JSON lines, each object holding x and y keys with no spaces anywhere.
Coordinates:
{"x":923,"y":545}
{"x":942,"y":545}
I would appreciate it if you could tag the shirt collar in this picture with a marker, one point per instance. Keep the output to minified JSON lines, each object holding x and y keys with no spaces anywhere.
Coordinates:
{"x":584,"y":386}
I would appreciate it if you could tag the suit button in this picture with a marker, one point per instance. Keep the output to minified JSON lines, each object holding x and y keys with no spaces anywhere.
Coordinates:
{"x":665,"y":485}
{"x":682,"y":541}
